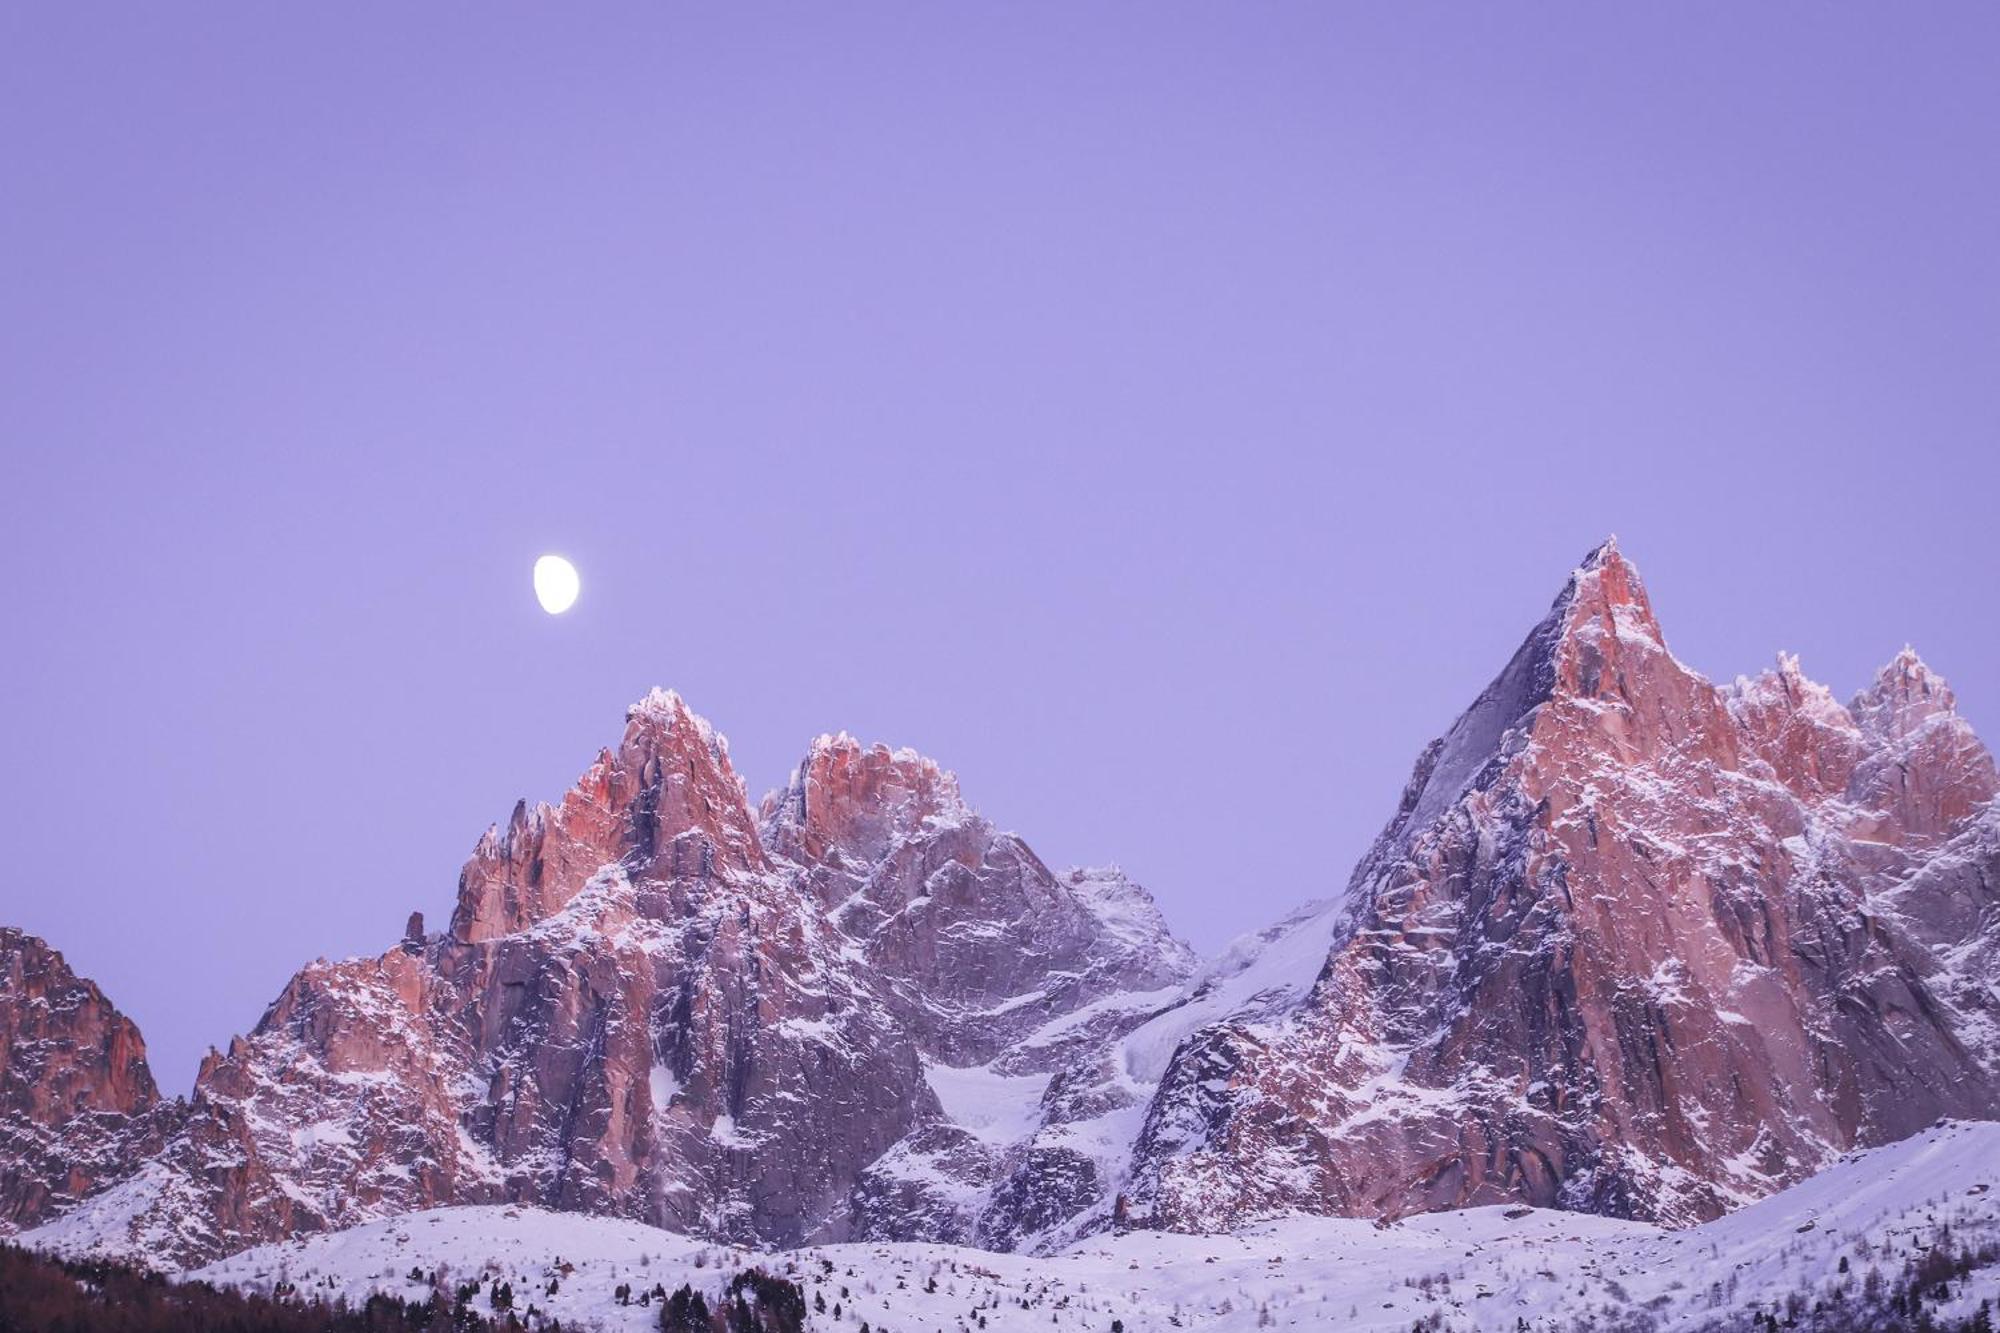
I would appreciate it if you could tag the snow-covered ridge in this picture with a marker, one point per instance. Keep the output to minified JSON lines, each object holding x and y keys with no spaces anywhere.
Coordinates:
{"x":1477,"y":1269}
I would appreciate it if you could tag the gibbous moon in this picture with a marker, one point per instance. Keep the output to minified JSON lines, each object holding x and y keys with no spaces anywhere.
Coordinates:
{"x":556,"y":584}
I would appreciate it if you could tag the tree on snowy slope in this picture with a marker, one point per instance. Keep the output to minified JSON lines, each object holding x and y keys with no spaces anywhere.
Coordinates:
{"x":686,"y":1311}
{"x":42,"y":1295}
{"x":759,"y":1302}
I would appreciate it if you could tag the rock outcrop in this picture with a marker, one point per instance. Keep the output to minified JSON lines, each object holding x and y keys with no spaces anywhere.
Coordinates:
{"x":78,"y":1105}
{"x":1632,"y":943}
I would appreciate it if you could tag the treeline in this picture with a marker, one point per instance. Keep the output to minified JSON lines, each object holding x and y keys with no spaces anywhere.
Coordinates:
{"x":753,"y":1302}
{"x":1934,"y":1289}
{"x":43,"y":1295}
{"x":1917,"y":1299}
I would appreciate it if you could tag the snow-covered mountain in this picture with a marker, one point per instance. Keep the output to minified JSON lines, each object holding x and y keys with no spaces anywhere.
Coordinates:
{"x":852,"y":1014}
{"x":1632,"y":944}
{"x":1887,"y":1212}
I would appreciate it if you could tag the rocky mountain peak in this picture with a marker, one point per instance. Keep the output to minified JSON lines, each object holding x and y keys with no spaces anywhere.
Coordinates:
{"x":1905,"y":696}
{"x":1604,"y":624}
{"x":1607,"y":568}
{"x":73,"y":1045}
{"x":1620,"y":949}
{"x":662,"y":720}
{"x":1598,"y":638}
{"x":852,"y":802}
{"x":1795,"y":724}
{"x":666,"y":804}
{"x":77,"y":1097}
{"x":673,"y":777}
{"x":1927,"y":770}
{"x":1131,"y":917}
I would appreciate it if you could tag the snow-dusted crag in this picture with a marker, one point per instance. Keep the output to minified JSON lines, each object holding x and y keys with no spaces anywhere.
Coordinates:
{"x":77,"y":1101}
{"x":1632,"y":943}
{"x":654,"y":1003}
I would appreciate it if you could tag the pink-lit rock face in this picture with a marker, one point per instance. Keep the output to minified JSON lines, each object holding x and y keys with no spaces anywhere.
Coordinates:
{"x":1627,"y":946}
{"x":77,"y":1101}
{"x":665,"y":805}
{"x":650,"y":1006}
{"x":851,"y":803}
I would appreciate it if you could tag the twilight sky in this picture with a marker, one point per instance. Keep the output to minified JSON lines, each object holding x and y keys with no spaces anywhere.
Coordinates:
{"x":1168,"y":418}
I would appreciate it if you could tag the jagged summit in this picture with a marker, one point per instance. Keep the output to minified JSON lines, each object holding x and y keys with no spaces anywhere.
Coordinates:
{"x":1904,"y":696}
{"x":1601,"y":618}
{"x":662,"y":703}
{"x":667,"y":710}
{"x":1620,"y":948}
{"x":1605,"y":555}
{"x":666,"y":803}
{"x":1604,"y":581}
{"x":651,"y":1004}
{"x":849,"y":800}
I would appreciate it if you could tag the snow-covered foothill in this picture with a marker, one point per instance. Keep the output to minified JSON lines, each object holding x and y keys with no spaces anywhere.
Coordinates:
{"x":1474,"y":1269}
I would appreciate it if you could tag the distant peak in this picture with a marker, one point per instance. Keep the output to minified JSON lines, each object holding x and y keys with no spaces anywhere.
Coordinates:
{"x":663,"y":705}
{"x":1906,"y":664}
{"x":1783,"y":691}
{"x":1600,"y":624}
{"x":1607,"y":588}
{"x":858,"y":798}
{"x":1906,"y":672}
{"x":1608,"y":564}
{"x":1790,"y":676}
{"x":845,"y":743}
{"x":665,"y":712}
{"x":1905,"y":694}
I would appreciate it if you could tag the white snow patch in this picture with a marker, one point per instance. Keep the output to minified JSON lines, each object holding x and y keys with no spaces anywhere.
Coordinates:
{"x":996,"y":1108}
{"x":663,"y":1085}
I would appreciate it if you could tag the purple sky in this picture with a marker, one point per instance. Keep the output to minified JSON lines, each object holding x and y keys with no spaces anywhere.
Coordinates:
{"x":1167,"y":418}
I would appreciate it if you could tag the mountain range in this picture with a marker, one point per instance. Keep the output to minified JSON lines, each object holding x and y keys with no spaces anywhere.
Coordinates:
{"x":1631,"y":944}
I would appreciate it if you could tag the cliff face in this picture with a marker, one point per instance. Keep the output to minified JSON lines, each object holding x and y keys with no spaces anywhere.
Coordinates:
{"x":651,"y":1005}
{"x":78,"y":1105}
{"x":1631,"y":943}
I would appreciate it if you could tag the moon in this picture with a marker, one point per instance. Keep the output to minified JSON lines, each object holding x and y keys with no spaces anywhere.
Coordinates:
{"x":556,"y":584}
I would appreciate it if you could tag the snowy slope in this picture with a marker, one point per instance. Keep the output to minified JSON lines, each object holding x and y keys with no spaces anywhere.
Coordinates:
{"x":1477,"y":1269}
{"x":1258,"y":975}
{"x":1107,"y":1058}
